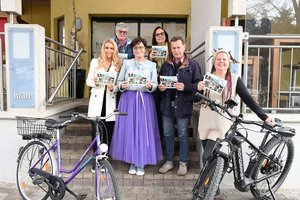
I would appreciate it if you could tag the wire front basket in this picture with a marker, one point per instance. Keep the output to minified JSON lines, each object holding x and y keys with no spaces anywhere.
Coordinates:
{"x":31,"y":127}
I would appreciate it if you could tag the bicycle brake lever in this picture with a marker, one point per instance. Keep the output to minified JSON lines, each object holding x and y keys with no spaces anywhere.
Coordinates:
{"x":213,"y":105}
{"x":123,"y":113}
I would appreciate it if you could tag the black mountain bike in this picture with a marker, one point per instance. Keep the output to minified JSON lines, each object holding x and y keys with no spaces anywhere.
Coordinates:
{"x":269,"y":163}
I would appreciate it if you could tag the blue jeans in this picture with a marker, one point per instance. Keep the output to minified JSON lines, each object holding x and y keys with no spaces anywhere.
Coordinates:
{"x":182,"y":130}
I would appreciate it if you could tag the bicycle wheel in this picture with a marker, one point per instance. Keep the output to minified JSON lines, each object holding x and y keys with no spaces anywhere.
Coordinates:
{"x":107,"y":187}
{"x":28,"y":157}
{"x":209,"y":180}
{"x":282,"y":152}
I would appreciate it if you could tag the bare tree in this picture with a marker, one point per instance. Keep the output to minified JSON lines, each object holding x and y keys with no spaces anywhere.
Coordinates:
{"x":296,"y":5}
{"x":281,"y":13}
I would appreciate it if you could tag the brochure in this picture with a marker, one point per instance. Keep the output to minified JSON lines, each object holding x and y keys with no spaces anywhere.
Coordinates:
{"x":168,"y":81}
{"x":160,"y":51}
{"x":214,"y":83}
{"x":106,"y":78}
{"x":137,"y":78}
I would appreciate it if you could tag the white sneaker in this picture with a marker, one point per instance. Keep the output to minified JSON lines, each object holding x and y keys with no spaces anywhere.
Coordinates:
{"x":140,"y":171}
{"x":182,"y":170}
{"x":166,"y":167}
{"x":132,"y":169}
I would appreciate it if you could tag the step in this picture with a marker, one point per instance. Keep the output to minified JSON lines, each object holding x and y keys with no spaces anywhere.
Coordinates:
{"x":70,"y":154}
{"x":82,"y":108}
{"x":121,"y":171}
{"x":71,"y":142}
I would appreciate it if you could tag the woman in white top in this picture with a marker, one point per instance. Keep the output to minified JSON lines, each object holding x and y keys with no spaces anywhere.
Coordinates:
{"x":102,"y":76}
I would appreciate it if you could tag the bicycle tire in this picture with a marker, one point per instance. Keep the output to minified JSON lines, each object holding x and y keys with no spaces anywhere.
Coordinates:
{"x":264,"y":167}
{"x":209,"y":180}
{"x":27,"y":158}
{"x":107,"y":182}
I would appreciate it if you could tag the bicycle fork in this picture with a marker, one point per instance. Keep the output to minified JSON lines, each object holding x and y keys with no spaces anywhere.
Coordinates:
{"x":241,"y":182}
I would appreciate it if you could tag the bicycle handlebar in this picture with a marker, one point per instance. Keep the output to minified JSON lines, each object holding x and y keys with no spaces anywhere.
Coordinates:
{"x":212,"y":104}
{"x":97,"y":118}
{"x":51,"y":123}
{"x":277,"y":128}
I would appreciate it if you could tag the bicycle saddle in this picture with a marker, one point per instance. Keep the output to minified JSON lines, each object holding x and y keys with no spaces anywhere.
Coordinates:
{"x":53,"y":124}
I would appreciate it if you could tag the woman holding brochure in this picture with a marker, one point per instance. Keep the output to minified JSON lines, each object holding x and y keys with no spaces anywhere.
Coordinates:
{"x":160,"y":40}
{"x":211,"y":125}
{"x":103,"y":90}
{"x":136,"y":137}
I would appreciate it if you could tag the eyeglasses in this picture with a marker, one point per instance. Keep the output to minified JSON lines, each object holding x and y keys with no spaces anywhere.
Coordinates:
{"x":122,"y":32}
{"x":138,"y":48}
{"x":160,"y":34}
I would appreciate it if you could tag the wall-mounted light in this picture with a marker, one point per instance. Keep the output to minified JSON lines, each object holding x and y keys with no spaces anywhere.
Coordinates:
{"x":78,"y":24}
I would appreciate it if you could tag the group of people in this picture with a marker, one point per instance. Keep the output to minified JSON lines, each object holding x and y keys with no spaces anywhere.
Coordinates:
{"x":152,"y":108}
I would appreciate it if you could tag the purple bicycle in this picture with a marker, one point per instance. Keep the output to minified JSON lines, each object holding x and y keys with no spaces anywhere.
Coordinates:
{"x":39,"y":171}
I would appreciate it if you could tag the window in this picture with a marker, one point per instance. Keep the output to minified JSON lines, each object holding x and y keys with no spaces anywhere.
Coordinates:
{"x":61,"y":31}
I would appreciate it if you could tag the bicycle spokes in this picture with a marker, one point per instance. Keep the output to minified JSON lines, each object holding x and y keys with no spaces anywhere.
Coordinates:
{"x":30,"y":185}
{"x":106,"y":186}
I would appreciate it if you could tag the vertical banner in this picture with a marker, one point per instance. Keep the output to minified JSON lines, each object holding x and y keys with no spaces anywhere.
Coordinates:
{"x":21,"y":68}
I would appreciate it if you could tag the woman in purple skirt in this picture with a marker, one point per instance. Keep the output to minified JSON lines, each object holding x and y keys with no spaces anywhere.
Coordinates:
{"x":136,"y":137}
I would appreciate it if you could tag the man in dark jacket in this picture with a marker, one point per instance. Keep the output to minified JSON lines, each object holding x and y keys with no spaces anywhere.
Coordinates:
{"x":177,"y":104}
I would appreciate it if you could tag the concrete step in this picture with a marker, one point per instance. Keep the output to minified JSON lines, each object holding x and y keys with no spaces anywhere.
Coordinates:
{"x":121,"y":172}
{"x":70,"y":155}
{"x":83,"y":140}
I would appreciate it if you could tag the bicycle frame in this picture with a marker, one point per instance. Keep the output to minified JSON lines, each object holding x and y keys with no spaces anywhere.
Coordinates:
{"x":264,"y":162}
{"x":37,"y":157}
{"x":242,"y":178}
{"x":79,"y":166}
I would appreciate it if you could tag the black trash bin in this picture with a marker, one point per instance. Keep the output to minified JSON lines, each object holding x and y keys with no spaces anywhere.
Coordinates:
{"x":80,"y":82}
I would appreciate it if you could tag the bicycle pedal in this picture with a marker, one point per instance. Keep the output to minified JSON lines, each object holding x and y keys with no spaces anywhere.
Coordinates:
{"x":38,"y":180}
{"x":81,"y":196}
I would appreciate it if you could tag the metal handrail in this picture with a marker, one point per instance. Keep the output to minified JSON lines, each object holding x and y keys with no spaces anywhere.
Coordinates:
{"x":64,"y":77}
{"x":57,"y":51}
{"x":61,"y":45}
{"x":196,"y":48}
{"x":270,"y":47}
{"x":294,"y":36}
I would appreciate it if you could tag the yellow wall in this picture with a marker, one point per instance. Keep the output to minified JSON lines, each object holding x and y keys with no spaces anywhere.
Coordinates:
{"x":85,"y":9}
{"x":37,"y":12}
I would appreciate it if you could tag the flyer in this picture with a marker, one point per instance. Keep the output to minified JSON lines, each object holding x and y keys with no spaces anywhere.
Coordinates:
{"x":168,"y":81}
{"x":214,"y":83}
{"x":137,"y":78}
{"x":105,"y":78}
{"x":160,"y":51}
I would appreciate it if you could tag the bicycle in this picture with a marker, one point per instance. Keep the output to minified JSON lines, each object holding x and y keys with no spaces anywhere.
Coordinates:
{"x":39,"y":168}
{"x":269,"y":163}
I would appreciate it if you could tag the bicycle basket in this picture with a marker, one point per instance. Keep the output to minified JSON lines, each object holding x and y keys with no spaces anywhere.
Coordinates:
{"x":30,"y":127}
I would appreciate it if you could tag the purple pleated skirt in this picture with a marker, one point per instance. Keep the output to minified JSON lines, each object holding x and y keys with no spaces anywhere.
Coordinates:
{"x":136,"y":138}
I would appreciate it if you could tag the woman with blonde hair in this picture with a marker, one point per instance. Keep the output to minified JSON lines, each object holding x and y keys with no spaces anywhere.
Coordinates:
{"x":102,"y":77}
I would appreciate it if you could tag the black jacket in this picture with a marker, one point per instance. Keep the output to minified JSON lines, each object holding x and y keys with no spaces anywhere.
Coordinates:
{"x":188,"y":73}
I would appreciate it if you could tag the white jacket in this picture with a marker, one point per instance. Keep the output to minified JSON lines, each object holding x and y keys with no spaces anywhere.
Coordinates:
{"x":97,"y":93}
